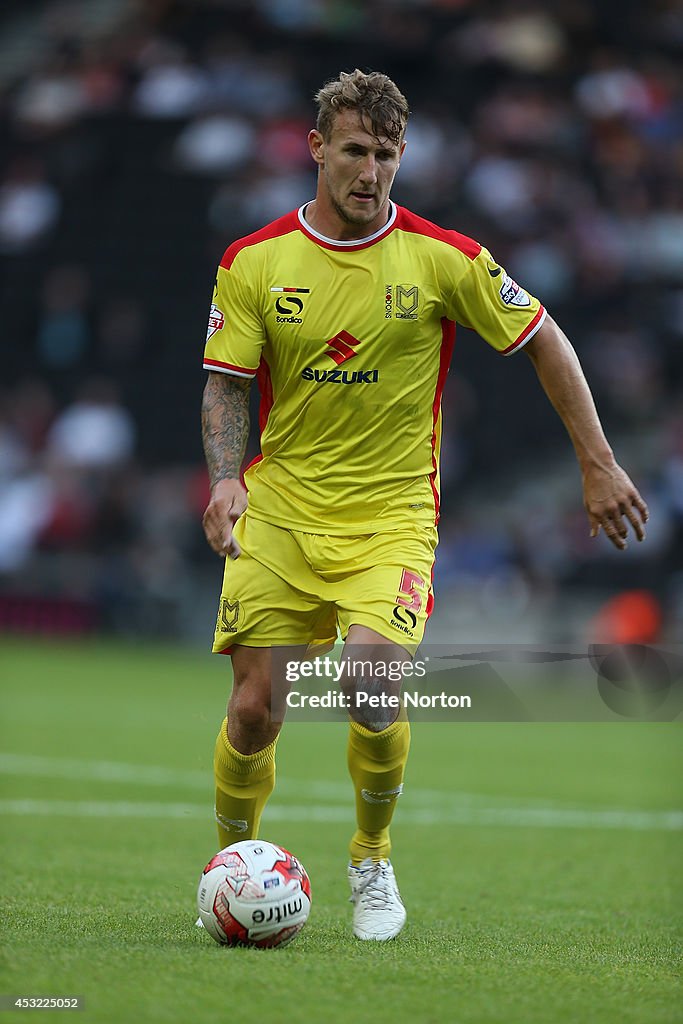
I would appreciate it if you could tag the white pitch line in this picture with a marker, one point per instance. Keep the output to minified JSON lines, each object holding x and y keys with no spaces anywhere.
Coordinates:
{"x":130,"y":809}
{"x":100,"y":771}
{"x":549,"y":817}
{"x":100,"y":809}
{"x":318,"y":790}
{"x":418,"y":806}
{"x":34,"y":766}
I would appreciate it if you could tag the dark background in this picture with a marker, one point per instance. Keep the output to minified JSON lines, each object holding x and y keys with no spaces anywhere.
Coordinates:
{"x":138,"y":139}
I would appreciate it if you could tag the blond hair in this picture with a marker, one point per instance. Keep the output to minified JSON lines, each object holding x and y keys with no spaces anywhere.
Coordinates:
{"x":373,"y":95}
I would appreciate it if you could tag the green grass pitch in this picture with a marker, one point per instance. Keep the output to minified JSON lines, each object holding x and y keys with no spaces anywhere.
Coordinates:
{"x":540,"y":864}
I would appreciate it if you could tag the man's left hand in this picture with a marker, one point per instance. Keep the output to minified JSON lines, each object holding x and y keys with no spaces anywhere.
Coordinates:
{"x":612,"y":501}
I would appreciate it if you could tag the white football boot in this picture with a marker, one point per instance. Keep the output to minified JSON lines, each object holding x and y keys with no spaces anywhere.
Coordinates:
{"x":378,"y":911}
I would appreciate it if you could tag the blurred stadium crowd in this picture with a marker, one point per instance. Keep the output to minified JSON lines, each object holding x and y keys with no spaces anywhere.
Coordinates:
{"x":139,"y":138}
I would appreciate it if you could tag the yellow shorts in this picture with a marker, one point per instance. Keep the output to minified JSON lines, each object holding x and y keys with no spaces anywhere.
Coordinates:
{"x":290,"y":588}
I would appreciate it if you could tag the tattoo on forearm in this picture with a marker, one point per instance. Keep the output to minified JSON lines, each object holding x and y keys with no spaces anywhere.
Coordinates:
{"x":225,"y":424}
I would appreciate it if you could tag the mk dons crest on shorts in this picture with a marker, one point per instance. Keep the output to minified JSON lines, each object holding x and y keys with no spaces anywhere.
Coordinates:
{"x":228,"y":616}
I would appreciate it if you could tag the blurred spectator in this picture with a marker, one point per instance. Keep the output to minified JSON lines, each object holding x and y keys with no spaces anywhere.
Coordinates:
{"x":96,"y":432}
{"x":214,"y":144}
{"x":171,"y":86}
{"x":503,"y":188}
{"x":30,"y":409}
{"x":433,"y":155}
{"x":531,"y":40}
{"x":546,"y":268}
{"x":282,"y":143}
{"x":631,"y":617}
{"x":26,"y":506}
{"x":120,"y":332}
{"x":52,"y":97}
{"x":248,"y":82}
{"x":611,"y":89}
{"x":269,"y":194}
{"x":101,"y":78}
{"x":627,"y":367}
{"x":29,"y":206}
{"x":63,"y":330}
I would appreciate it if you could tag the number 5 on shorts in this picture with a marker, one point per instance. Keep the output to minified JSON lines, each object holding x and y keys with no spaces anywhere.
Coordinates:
{"x":409,"y":596}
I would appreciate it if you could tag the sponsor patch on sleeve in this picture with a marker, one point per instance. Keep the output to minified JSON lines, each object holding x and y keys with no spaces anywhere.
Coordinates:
{"x":216,"y":321}
{"x":512,"y":294}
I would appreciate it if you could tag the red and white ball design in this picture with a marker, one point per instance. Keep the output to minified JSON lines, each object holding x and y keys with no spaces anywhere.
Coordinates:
{"x":254,"y":893}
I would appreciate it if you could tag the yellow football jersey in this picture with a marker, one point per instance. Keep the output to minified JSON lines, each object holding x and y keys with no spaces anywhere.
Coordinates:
{"x":351,"y":343}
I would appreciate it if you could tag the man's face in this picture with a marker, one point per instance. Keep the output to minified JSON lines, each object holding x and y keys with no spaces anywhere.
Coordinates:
{"x":357,"y":170}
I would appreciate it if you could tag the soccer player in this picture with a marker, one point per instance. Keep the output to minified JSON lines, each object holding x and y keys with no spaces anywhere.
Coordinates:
{"x":344,"y":311}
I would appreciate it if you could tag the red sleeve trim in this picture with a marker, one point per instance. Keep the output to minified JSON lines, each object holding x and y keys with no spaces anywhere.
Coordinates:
{"x":407,"y":221}
{"x":282,"y":226}
{"x":241,"y":371}
{"x":527,"y":334}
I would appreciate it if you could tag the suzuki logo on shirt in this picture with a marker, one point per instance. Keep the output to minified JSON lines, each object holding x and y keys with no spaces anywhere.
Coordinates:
{"x":342,"y":344}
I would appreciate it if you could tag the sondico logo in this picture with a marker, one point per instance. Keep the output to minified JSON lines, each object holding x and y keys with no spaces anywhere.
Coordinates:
{"x":289,"y":305}
{"x":342,"y":345}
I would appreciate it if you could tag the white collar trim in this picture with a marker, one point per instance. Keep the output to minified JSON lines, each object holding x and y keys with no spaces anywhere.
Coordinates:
{"x":351,"y":241}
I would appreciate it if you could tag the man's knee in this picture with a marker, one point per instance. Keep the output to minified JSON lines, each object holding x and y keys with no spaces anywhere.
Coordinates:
{"x":250,"y":726}
{"x":250,"y":707}
{"x":372,"y":680}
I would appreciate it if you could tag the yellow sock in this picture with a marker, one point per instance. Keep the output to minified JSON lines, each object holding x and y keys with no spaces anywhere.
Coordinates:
{"x":243,"y":784}
{"x":376,"y":761}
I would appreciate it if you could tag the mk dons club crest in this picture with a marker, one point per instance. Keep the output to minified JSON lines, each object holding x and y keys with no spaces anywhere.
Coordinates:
{"x":228,"y":616}
{"x":401,"y":301}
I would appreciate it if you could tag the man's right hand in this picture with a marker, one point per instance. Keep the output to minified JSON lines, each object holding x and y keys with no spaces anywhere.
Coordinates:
{"x":228,"y":502}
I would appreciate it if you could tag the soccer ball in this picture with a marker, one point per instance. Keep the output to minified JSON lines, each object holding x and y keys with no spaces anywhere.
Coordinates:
{"x":254,"y":894}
